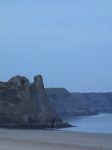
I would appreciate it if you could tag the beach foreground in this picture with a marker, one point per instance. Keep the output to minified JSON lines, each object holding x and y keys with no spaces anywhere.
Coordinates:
{"x":53,"y":140}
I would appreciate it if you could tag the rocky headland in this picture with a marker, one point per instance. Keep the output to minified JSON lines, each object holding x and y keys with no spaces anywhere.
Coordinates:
{"x":25,"y":105}
{"x":102,"y":102}
{"x":66,"y":103}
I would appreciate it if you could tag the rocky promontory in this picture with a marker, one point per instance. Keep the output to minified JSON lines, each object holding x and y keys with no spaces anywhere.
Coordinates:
{"x":24,"y":104}
{"x":66,"y":103}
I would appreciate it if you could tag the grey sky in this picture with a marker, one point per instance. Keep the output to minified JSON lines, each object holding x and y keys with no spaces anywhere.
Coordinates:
{"x":69,"y":42}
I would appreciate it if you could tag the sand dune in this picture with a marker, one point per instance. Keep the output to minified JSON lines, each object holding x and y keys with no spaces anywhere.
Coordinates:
{"x":53,"y":140}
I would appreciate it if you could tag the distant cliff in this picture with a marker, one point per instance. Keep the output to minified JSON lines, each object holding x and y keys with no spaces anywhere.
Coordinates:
{"x":23,"y":104}
{"x":66,"y":103}
{"x":102,"y":102}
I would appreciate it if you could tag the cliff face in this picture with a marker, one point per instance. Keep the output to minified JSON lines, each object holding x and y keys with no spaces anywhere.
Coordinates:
{"x":101,"y":101}
{"x":66,"y":103}
{"x":23,"y":104}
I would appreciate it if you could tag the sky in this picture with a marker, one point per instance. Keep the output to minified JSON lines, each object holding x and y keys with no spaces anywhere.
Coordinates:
{"x":68,"y":42}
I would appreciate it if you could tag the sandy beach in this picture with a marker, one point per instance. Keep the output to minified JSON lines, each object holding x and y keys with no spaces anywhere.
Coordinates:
{"x":53,"y":140}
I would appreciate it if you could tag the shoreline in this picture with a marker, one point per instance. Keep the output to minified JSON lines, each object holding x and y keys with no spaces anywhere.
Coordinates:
{"x":53,"y":140}
{"x":88,"y":132}
{"x":56,"y":130}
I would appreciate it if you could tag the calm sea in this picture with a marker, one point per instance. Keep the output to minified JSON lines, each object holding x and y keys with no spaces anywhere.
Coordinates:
{"x":101,"y":123}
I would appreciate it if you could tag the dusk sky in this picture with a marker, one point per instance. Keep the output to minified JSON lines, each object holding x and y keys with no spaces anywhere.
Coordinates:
{"x":68,"y":42}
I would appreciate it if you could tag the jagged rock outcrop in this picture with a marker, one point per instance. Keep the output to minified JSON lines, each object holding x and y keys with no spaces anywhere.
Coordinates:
{"x":23,"y":104}
{"x":66,"y":103}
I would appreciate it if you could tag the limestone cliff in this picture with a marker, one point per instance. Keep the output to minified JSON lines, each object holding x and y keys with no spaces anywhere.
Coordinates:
{"x":66,"y":103}
{"x":101,"y":101}
{"x":23,"y":104}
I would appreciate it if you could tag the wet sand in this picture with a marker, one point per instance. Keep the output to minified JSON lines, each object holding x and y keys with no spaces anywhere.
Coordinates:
{"x":53,"y":140}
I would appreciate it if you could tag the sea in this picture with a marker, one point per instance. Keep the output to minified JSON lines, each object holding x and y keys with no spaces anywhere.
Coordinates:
{"x":101,"y":123}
